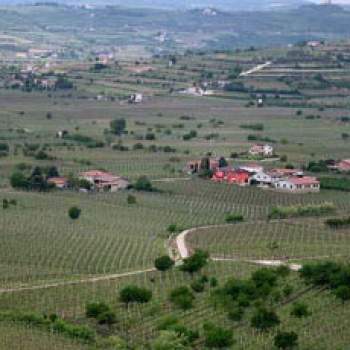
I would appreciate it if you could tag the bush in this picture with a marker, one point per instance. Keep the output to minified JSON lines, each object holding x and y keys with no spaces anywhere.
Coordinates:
{"x":134,"y":294}
{"x":107,"y":317}
{"x":286,"y":340}
{"x":74,"y":213}
{"x":164,"y":263}
{"x":131,"y":199}
{"x":18,"y":180}
{"x":232,"y":218}
{"x":300,"y":310}
{"x":143,"y":184}
{"x":217,"y":337}
{"x":198,"y":286}
{"x":264,"y":319}
{"x":95,"y":309}
{"x":334,"y":183}
{"x":182,"y":297}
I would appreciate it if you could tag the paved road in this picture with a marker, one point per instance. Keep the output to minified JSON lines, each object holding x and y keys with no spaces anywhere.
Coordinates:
{"x":255,"y":69}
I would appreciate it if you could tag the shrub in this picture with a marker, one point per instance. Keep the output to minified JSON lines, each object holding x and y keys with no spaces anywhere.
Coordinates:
{"x":143,"y":184}
{"x":337,"y":223}
{"x":118,"y":126}
{"x":74,"y":213}
{"x":164,"y":263}
{"x":342,"y":293}
{"x":134,"y":294}
{"x":264,"y":319}
{"x":107,"y":317}
{"x":334,"y":183}
{"x":182,"y":297}
{"x":95,"y":309}
{"x":18,"y":180}
{"x":286,"y":340}
{"x":198,"y":286}
{"x":131,"y":199}
{"x":300,"y":310}
{"x":232,"y":218}
{"x":236,"y":314}
{"x":217,"y":337}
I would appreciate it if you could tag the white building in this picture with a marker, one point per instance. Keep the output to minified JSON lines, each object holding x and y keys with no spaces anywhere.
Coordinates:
{"x":262,"y":150}
{"x":298,"y":184}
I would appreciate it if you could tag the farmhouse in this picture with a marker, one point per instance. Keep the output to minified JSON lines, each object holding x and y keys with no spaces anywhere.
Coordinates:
{"x":232,"y":176}
{"x":343,"y":165}
{"x":58,"y":182}
{"x":252,"y":168}
{"x":136,"y":98}
{"x":104,"y":181}
{"x":298,"y":184}
{"x":261,"y":150}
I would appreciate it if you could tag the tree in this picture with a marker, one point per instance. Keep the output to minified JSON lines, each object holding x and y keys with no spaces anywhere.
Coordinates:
{"x":223,"y":162}
{"x":18,"y":180}
{"x":195,"y":262}
{"x":143,"y":184}
{"x":342,"y":293}
{"x":135,"y":294}
{"x":182,"y":297}
{"x":74,"y":213}
{"x":108,"y":317}
{"x":164,"y":263}
{"x":52,"y":172}
{"x":300,"y":310}
{"x":118,"y":126}
{"x":131,"y":199}
{"x":286,"y":340}
{"x":263,"y":319}
{"x":217,"y":337}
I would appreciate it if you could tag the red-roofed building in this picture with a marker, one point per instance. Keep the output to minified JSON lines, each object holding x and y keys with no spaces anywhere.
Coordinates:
{"x":232,"y":176}
{"x":104,"y":181}
{"x":343,"y":165}
{"x":58,"y":182}
{"x":298,"y":184}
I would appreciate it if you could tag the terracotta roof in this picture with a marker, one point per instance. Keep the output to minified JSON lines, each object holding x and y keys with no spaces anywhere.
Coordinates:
{"x":306,"y":180}
{"x":57,"y":180}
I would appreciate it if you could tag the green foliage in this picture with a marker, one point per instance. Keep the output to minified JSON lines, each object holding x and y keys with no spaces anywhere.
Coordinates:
{"x":255,"y":127}
{"x":263,"y":319}
{"x":182,"y":297}
{"x":143,"y":184}
{"x":233,"y":218}
{"x":19,"y":180}
{"x":135,"y":294}
{"x":286,"y":340}
{"x":337,"y":223}
{"x":168,"y":340}
{"x":131,"y":199}
{"x":95,"y":309}
{"x":302,"y":211}
{"x":300,"y":310}
{"x":164,"y":263}
{"x":217,"y":337}
{"x":195,"y":262}
{"x":343,"y":293}
{"x":335,"y":183}
{"x":74,"y":213}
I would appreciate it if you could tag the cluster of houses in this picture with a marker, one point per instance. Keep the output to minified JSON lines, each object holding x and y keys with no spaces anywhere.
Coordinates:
{"x":288,"y":180}
{"x":342,"y":166}
{"x":99,"y":181}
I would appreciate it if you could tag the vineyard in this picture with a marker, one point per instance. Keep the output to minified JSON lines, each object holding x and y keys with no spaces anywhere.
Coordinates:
{"x":53,"y":264}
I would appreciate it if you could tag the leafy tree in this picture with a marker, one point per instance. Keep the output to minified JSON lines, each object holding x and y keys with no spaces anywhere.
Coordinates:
{"x":198,"y":286}
{"x":108,"y":317}
{"x":135,"y":294}
{"x":300,"y":310}
{"x":164,"y":263}
{"x":52,"y":172}
{"x":74,"y":213}
{"x":286,"y":340}
{"x":217,"y":337}
{"x":182,"y":297}
{"x":143,"y":184}
{"x":5,"y":203}
{"x":118,"y":126}
{"x":232,"y":218}
{"x":222,"y":162}
{"x":195,"y":262}
{"x":264,"y":319}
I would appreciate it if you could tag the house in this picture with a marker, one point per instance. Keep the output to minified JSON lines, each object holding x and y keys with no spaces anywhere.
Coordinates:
{"x":298,"y":184}
{"x":262,"y":178}
{"x":104,"y":181}
{"x":343,"y":165}
{"x":262,"y":150}
{"x":232,"y":176}
{"x":194,"y":166}
{"x":59,"y":182}
{"x":135,"y":98}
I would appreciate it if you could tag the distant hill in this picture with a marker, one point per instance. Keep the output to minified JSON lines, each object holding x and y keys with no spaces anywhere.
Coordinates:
{"x":228,"y":5}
